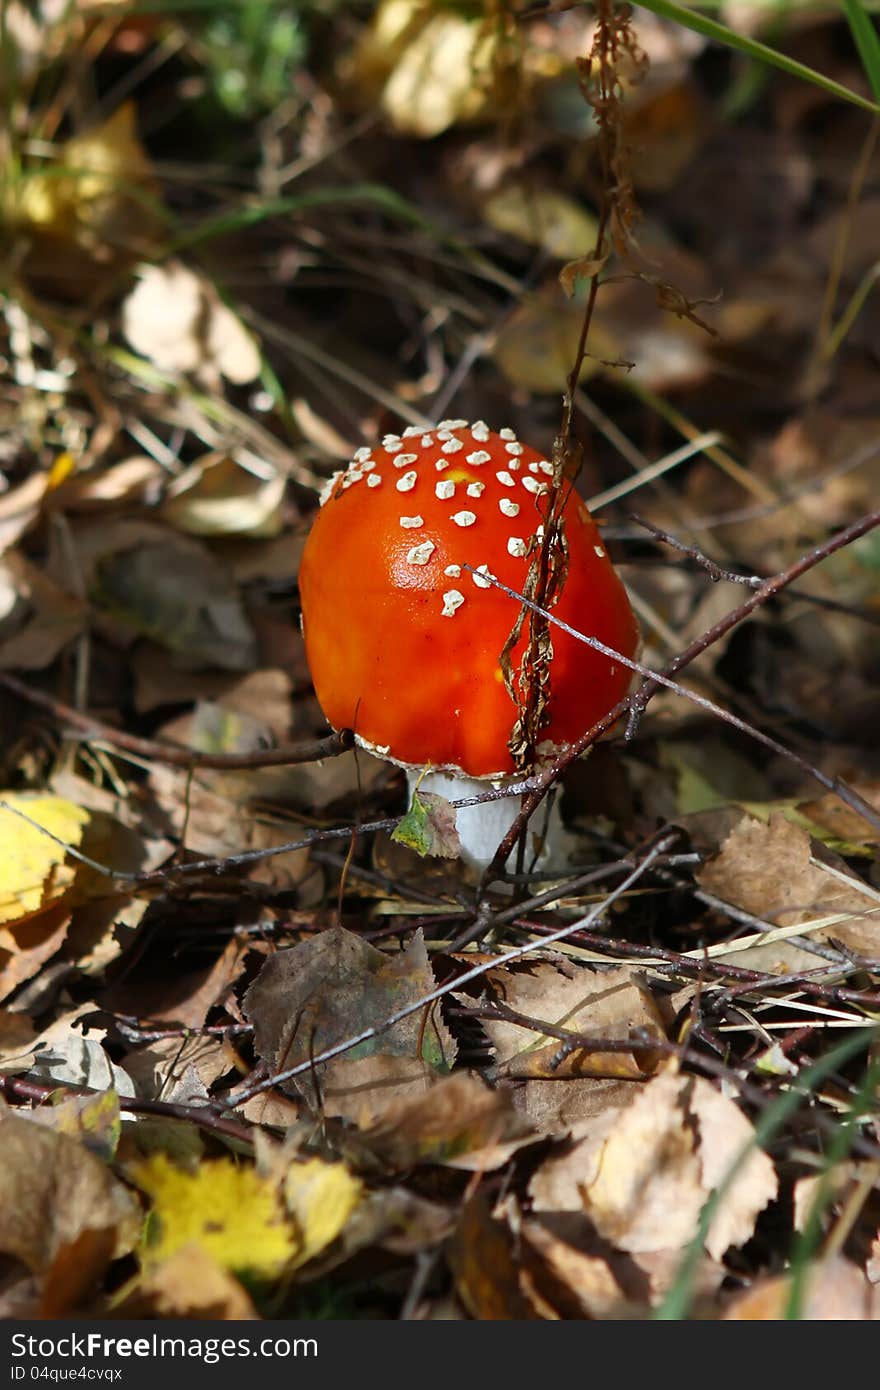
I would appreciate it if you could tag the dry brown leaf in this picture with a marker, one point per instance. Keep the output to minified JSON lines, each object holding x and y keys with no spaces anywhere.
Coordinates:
{"x":832,"y":815}
{"x":363,"y":1089}
{"x":537,"y":348}
{"x":271,"y":1110}
{"x":62,"y":1213}
{"x":836,"y":1291}
{"x":45,"y":619}
{"x":189,"y":1284}
{"x":264,"y":694}
{"x":17,"y":1034}
{"x":332,"y":987}
{"x":184,"y":999}
{"x":605,"y":1004}
{"x":766,"y":869}
{"x":644,"y":1173}
{"x":219,"y":814}
{"x":150,"y":580}
{"x":834,"y":1189}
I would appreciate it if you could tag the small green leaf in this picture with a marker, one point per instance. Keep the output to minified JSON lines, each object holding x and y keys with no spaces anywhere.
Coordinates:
{"x":429,"y":827}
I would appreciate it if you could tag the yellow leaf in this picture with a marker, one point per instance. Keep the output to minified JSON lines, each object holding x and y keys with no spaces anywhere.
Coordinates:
{"x":33,"y":873}
{"x":88,"y":212}
{"x":320,"y":1197}
{"x":93,"y":167}
{"x":224,"y":1208}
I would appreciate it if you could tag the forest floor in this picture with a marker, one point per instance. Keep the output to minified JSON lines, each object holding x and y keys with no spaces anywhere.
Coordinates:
{"x":242,"y":241}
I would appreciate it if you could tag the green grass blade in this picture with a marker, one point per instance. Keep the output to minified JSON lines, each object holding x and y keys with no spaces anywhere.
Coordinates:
{"x":677,"y":1302}
{"x":867,"y":41}
{"x":751,"y":48}
{"x":250,"y":215}
{"x":808,"y":1241}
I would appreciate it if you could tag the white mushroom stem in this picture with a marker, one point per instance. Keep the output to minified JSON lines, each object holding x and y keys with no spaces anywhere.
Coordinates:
{"x":481,"y":828}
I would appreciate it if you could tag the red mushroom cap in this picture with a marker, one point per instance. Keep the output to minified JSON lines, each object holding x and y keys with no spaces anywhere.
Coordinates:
{"x":403,"y":642}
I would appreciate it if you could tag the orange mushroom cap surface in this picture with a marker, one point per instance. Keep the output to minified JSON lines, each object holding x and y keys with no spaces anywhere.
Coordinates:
{"x":403,"y":642}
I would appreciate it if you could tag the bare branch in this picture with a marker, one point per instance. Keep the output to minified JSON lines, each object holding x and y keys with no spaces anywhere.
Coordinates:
{"x":309,"y":751}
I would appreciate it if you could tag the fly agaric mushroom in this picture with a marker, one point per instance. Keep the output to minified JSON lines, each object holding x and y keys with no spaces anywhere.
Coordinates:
{"x":403,"y":640}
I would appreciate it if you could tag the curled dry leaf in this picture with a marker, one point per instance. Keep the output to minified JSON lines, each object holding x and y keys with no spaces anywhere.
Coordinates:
{"x":643,"y":1174}
{"x":578,"y":1283}
{"x":458,"y":1121}
{"x":573,"y":275}
{"x":216,"y":496}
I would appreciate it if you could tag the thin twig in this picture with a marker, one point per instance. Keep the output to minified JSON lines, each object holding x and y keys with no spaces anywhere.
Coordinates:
{"x":24,"y":1088}
{"x":309,"y":751}
{"x":715,"y":572}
